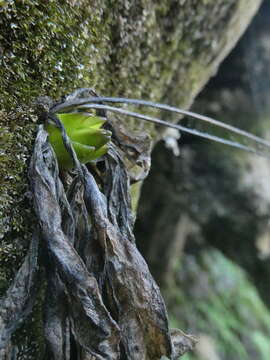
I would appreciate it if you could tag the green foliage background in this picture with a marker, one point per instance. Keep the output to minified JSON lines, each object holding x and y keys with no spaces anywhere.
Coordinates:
{"x":220,"y":301}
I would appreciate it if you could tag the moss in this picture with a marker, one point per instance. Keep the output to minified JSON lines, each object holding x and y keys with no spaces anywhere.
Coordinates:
{"x":49,"y":48}
{"x":135,"y":195}
{"x":16,"y":134}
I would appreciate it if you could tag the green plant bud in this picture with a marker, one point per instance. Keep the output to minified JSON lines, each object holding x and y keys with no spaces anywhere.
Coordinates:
{"x":88,"y":139}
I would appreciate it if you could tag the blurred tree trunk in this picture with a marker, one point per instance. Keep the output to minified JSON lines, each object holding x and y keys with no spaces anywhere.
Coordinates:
{"x":213,"y":195}
{"x":164,"y":52}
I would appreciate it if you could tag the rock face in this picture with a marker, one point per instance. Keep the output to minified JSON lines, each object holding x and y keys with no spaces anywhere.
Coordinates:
{"x":163,"y":52}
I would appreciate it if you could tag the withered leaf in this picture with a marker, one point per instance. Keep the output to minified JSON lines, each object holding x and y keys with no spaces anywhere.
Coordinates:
{"x":91,"y":324}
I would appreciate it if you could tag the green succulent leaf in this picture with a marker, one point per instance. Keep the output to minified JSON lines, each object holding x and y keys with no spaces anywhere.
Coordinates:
{"x":74,"y":121}
{"x":87,"y":136}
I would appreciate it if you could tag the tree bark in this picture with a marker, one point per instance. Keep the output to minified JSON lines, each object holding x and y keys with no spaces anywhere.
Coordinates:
{"x":212,"y":195}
